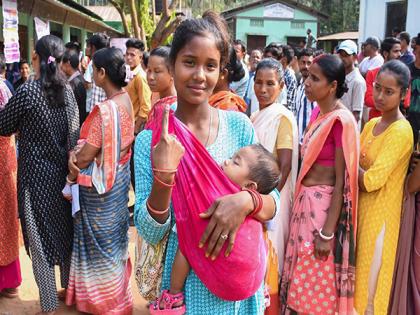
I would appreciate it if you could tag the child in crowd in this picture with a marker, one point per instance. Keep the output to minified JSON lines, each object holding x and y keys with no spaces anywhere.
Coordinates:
{"x":252,"y":167}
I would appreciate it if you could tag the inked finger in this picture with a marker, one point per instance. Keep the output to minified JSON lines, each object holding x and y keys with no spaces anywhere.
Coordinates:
{"x":229,"y":248}
{"x":209,"y":229}
{"x":220,"y":242}
{"x":165,"y":123}
{"x":214,"y":238}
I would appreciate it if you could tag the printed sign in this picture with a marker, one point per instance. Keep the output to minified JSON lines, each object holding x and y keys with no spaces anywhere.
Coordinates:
{"x":42,"y":28}
{"x":278,"y":10}
{"x":10,"y":31}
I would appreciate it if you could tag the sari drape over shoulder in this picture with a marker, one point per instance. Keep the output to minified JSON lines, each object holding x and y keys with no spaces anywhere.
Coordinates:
{"x":100,"y":267}
{"x":344,"y":251}
{"x":199,"y":182}
{"x":228,"y":100}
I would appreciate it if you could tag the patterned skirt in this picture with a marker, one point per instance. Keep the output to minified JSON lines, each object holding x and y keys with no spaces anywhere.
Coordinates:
{"x":100,"y":266}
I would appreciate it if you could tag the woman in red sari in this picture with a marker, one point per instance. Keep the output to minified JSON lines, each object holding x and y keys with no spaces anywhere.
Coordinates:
{"x":223,"y":97}
{"x":10,"y":277}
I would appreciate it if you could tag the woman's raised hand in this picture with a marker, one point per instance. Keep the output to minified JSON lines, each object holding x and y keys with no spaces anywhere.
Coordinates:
{"x":168,"y":152}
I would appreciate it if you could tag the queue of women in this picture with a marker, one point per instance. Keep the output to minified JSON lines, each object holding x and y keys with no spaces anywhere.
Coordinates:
{"x":227,"y":226}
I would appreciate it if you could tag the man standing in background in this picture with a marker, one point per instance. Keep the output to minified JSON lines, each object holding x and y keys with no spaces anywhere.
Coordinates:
{"x":355,"y":96}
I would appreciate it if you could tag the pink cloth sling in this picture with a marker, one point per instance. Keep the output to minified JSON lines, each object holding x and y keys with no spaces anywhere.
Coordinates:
{"x":199,"y":182}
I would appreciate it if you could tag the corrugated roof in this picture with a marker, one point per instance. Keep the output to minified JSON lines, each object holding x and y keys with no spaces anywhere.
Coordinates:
{"x":340,"y":36}
{"x":107,"y":13}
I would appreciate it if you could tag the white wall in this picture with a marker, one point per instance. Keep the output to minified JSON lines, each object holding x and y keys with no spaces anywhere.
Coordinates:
{"x":413,"y":21}
{"x":372,"y":19}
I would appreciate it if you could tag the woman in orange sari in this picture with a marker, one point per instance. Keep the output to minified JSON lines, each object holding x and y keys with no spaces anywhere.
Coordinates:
{"x":223,"y":97}
{"x":10,"y":277}
{"x":319,"y":267}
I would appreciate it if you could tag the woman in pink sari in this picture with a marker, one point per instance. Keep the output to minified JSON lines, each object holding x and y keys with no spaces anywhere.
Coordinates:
{"x":188,"y":186}
{"x":318,"y":274}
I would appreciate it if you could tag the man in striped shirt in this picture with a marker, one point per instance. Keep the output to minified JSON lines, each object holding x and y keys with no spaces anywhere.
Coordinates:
{"x":301,"y":106}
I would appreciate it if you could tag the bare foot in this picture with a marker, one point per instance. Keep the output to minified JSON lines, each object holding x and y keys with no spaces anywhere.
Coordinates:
{"x":62,"y":294}
{"x":10,"y":293}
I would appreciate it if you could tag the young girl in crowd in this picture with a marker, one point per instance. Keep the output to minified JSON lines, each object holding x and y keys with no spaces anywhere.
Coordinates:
{"x":100,"y":265}
{"x":276,"y":129}
{"x":252,"y":167}
{"x":44,"y":113}
{"x":159,"y":78}
{"x":223,"y":97}
{"x":386,"y":146}
{"x":217,"y":219}
{"x":319,"y":266}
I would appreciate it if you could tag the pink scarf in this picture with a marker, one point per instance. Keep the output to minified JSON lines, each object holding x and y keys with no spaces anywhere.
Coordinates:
{"x":199,"y":182}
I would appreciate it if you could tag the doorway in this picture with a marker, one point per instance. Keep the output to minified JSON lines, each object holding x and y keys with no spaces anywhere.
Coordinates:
{"x":396,"y":16}
{"x":256,"y":42}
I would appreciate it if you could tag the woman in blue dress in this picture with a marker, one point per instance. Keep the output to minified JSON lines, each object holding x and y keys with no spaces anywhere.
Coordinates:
{"x":199,"y":50}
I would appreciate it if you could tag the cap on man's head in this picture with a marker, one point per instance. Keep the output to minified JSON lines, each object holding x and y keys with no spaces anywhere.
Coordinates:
{"x":348,"y":46}
{"x":373,"y":41}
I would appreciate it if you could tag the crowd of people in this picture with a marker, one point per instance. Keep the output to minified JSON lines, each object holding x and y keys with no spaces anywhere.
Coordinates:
{"x":279,"y":182}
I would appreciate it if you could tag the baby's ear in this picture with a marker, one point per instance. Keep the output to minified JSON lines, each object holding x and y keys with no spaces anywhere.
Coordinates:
{"x":252,"y":185}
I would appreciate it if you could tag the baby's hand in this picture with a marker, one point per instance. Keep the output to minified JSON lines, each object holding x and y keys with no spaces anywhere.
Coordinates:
{"x":67,"y":192}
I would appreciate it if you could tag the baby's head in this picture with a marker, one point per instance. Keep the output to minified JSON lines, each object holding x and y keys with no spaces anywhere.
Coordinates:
{"x":253,"y":167}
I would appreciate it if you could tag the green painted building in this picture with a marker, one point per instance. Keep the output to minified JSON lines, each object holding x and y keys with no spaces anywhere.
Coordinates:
{"x":262,"y":22}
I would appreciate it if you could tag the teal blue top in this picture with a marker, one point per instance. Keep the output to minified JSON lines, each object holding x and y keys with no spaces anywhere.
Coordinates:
{"x":235,"y":132}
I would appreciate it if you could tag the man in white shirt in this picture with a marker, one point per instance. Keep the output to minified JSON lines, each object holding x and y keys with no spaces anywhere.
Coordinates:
{"x":374,"y":58}
{"x":355,"y":96}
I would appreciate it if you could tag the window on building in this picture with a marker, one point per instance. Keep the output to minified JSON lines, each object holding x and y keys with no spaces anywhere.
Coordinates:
{"x":295,"y":24}
{"x":256,"y":22}
{"x":396,"y":16}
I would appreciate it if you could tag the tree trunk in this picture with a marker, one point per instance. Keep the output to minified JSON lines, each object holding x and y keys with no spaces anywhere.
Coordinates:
{"x":163,"y":30}
{"x":154,"y":11}
{"x":120,"y":6}
{"x":134,"y":19}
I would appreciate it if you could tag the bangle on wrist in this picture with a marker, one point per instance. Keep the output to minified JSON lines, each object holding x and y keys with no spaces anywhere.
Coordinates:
{"x":325,"y":237}
{"x":162,"y":183}
{"x":257,"y":201}
{"x":70,"y":182}
{"x":153,"y":210}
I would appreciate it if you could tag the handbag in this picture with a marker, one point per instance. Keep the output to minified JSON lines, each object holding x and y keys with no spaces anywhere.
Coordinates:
{"x":149,"y":267}
{"x":313,"y":288}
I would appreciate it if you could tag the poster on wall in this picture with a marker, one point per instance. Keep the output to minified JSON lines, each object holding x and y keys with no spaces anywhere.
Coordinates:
{"x":10,"y":31}
{"x":279,"y":11}
{"x":42,"y":28}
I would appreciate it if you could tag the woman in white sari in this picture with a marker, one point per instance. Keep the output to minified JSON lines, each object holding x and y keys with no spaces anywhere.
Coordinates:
{"x":276,"y":129}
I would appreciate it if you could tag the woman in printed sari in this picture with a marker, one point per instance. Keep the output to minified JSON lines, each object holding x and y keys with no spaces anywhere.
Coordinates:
{"x":405,"y":293}
{"x":159,"y":78}
{"x":276,"y":130}
{"x":100,"y":266}
{"x":386,"y":147}
{"x":212,"y":215}
{"x":319,"y":266}
{"x":10,"y":276}
{"x":223,"y":97}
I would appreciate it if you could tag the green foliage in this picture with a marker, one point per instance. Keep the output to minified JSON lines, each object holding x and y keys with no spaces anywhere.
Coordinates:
{"x":145,"y":18}
{"x":344,"y":14}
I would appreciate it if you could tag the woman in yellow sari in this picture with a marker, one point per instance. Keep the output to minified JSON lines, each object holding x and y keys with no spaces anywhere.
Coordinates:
{"x":386,"y":146}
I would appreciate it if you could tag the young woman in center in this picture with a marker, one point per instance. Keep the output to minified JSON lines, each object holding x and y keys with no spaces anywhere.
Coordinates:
{"x":223,"y":244}
{"x":319,"y":265}
{"x":276,"y":129}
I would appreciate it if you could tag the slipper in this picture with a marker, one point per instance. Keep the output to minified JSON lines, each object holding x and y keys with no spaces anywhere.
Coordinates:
{"x":10,"y":293}
{"x":168,"y":300}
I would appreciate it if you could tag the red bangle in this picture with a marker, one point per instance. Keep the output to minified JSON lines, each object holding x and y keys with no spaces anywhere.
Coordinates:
{"x":164,"y":170}
{"x":153,"y":210}
{"x":256,"y":199}
{"x":163,"y":183}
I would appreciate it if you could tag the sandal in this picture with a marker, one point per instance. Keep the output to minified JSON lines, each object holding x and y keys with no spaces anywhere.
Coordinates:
{"x":266,"y":297}
{"x":168,"y":300}
{"x":10,"y":293}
